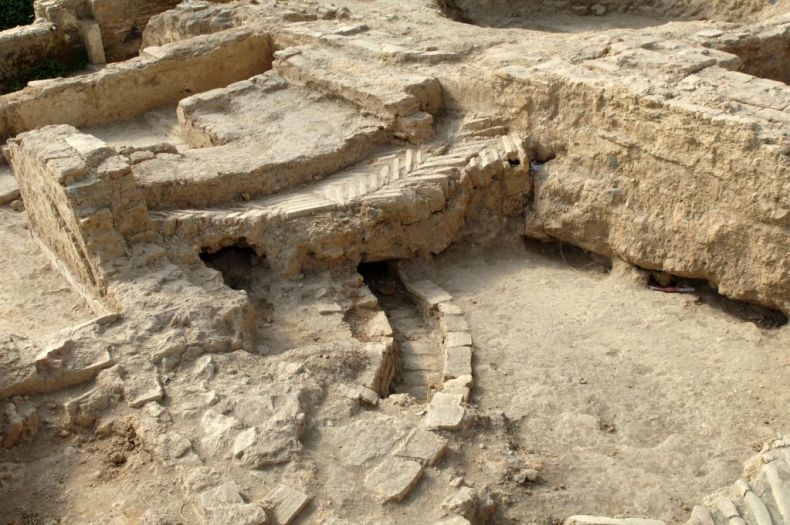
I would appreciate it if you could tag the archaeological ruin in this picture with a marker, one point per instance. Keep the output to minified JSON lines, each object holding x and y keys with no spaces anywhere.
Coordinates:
{"x":366,"y":262}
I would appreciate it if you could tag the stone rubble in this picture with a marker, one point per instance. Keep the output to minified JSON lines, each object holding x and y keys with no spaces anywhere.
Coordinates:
{"x":299,"y":140}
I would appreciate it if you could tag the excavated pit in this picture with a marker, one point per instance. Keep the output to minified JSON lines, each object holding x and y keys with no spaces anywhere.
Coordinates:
{"x":207,"y":346}
{"x":574,"y":17}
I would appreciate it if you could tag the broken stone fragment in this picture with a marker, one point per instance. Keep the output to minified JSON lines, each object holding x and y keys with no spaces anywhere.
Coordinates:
{"x":360,"y":393}
{"x":218,"y":430}
{"x":244,"y":441}
{"x":60,"y":366}
{"x":393,"y":479}
{"x":285,"y":503}
{"x":423,"y":446}
{"x":415,"y":128}
{"x":141,"y":387}
{"x":461,"y":385}
{"x":463,"y":503}
{"x":378,"y":326}
{"x":19,"y":419}
{"x":445,"y":411}
{"x":82,"y":410}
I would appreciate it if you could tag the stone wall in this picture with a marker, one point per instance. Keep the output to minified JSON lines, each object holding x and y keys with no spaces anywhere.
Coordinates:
{"x":731,"y":10}
{"x":24,"y":47}
{"x":82,"y":201}
{"x":162,"y":75}
{"x":122,"y":22}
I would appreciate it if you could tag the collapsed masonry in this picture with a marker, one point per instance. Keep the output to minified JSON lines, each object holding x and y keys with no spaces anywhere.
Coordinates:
{"x":319,"y":142}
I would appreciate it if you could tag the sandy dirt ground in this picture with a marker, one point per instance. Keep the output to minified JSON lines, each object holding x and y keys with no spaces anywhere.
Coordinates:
{"x":635,"y":402}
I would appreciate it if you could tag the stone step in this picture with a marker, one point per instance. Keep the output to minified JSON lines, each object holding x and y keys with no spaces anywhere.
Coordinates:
{"x":382,"y":90}
{"x":254,"y":138}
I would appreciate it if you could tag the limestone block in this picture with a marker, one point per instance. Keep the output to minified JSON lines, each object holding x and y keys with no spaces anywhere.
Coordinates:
{"x":393,"y":479}
{"x":461,"y":385}
{"x":445,"y":411}
{"x":453,"y":339}
{"x":429,"y":294}
{"x":457,"y":362}
{"x":91,"y":38}
{"x":378,"y":326}
{"x":423,"y":446}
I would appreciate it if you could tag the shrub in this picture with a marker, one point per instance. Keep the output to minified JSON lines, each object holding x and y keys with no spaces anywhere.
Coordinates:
{"x":15,"y":13}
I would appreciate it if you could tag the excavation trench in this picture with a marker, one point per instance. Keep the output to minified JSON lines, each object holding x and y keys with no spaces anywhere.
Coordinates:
{"x":765,"y":56}
{"x":418,"y":354}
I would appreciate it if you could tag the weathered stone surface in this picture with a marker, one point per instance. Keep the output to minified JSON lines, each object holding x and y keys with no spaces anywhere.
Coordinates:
{"x":463,"y":502}
{"x":379,"y":326}
{"x":453,"y":323}
{"x":68,"y":363}
{"x":461,"y":385}
{"x":376,"y":437}
{"x":457,"y":362}
{"x":286,"y":504}
{"x":393,"y":479}
{"x":422,"y":446}
{"x":455,"y":339}
{"x":428,"y":293}
{"x":445,"y":411}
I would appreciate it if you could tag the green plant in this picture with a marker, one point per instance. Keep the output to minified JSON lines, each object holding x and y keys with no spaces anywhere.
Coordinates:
{"x":15,"y":13}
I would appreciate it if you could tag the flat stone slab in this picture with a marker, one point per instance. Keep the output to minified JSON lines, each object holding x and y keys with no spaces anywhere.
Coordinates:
{"x":393,"y":479}
{"x":286,"y":504}
{"x":374,"y":437}
{"x":452,"y":339}
{"x":446,"y":411}
{"x":423,"y":446}
{"x":458,"y":362}
{"x":428,"y":293}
